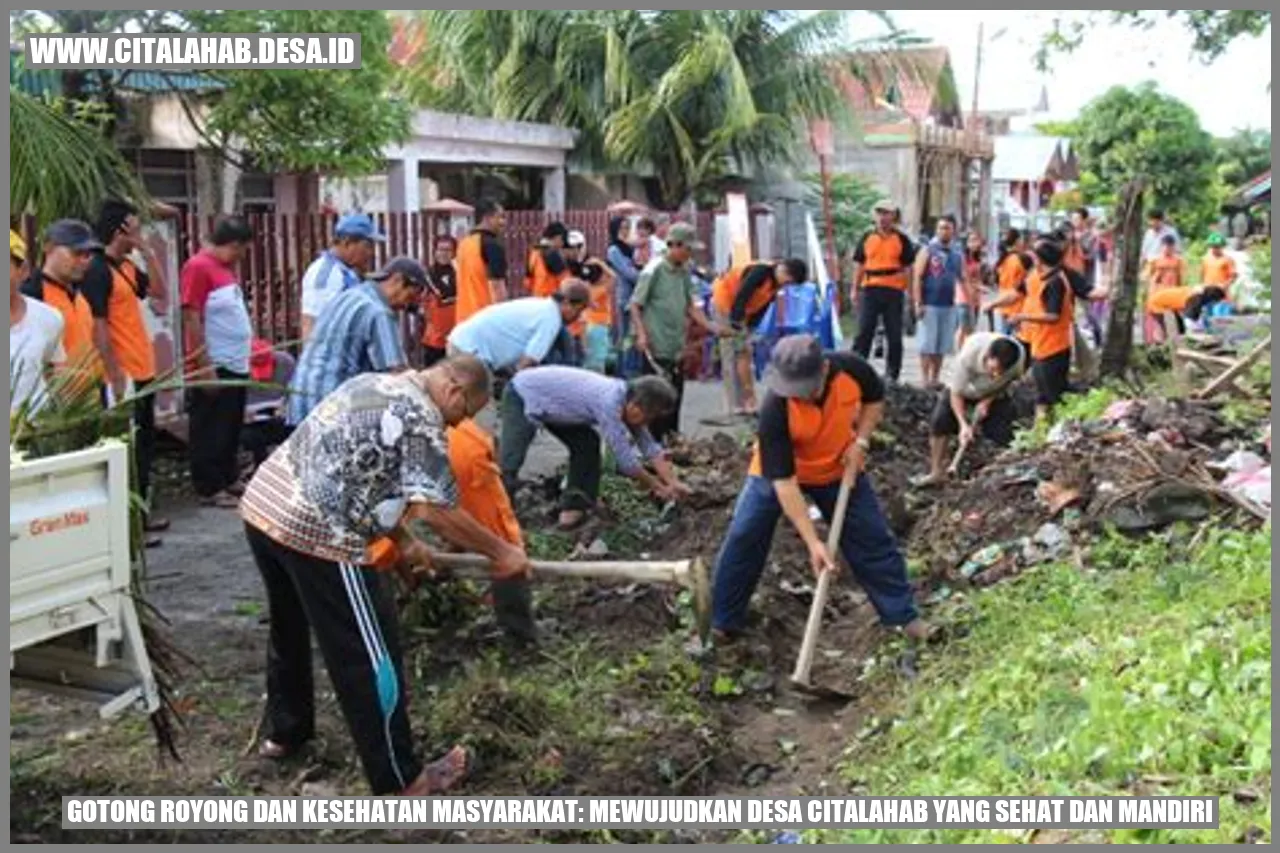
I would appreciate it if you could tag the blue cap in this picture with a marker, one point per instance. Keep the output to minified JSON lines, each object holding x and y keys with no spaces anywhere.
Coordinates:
{"x":360,"y":226}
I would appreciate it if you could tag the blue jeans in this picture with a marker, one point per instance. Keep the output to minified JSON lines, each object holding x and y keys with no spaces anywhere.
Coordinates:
{"x":866,"y":542}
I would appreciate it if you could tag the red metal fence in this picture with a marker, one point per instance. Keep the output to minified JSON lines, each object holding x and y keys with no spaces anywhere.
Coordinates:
{"x":285,"y":244}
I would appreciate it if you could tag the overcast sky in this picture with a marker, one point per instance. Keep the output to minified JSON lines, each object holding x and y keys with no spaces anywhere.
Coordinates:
{"x":1231,"y":93}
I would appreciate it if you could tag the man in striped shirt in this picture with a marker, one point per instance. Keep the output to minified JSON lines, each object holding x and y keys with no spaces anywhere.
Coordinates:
{"x":338,"y":267}
{"x":573,"y":403}
{"x":359,"y":332}
{"x":350,"y":486}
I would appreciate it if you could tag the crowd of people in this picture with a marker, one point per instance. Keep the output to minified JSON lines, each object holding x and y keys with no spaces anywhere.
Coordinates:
{"x":372,"y":448}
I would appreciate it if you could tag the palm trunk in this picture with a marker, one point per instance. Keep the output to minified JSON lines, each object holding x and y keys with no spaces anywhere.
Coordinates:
{"x":1124,"y":300}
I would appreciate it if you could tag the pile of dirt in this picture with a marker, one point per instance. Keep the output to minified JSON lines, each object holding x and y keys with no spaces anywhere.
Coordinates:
{"x":1144,"y":466}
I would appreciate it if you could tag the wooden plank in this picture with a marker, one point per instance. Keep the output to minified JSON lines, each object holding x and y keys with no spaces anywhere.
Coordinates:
{"x":1243,"y":365}
{"x":1206,"y":359}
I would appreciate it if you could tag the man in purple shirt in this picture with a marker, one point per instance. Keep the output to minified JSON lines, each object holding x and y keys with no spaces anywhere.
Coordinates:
{"x":573,"y":404}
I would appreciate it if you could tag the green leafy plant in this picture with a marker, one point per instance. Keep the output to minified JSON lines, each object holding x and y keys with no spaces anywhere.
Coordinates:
{"x":1260,"y":262}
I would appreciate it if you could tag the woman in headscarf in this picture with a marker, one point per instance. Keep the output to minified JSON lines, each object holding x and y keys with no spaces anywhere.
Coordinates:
{"x":621,"y":258}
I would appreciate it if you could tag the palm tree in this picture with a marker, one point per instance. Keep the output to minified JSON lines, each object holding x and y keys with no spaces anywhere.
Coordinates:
{"x":688,"y":97}
{"x":61,"y":166}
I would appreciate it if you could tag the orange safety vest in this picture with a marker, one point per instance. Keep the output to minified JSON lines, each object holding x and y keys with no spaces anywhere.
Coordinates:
{"x":821,"y":433}
{"x":128,"y":332}
{"x":724,"y":292}
{"x":540,"y":281}
{"x":885,"y":260}
{"x":480,"y":491}
{"x":600,"y":310}
{"x":1011,"y":273}
{"x":1048,"y":339}
{"x":473,"y":276}
{"x":77,"y":328}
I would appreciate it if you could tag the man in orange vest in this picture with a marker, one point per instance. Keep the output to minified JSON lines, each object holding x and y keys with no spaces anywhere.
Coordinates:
{"x":1048,"y":317}
{"x":69,"y":245}
{"x":482,"y":262}
{"x":545,"y":268}
{"x":741,"y":297}
{"x":815,"y":422}
{"x":882,"y":276}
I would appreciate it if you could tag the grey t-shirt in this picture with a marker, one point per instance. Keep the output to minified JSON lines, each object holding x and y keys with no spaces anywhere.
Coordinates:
{"x":969,"y":377}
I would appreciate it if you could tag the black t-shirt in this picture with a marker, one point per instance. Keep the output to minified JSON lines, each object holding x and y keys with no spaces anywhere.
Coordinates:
{"x":777,"y":453}
{"x":442,"y":280}
{"x":1055,"y":294}
{"x":494,"y":254}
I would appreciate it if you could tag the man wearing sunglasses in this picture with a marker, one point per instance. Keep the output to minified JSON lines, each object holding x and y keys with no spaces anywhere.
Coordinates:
{"x":357,"y":332}
{"x":359,"y":475}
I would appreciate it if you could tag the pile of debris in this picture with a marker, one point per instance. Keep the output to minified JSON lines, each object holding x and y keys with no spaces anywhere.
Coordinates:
{"x":1146,"y":464}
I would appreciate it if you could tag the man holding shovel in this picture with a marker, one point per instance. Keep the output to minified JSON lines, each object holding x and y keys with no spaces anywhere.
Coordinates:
{"x":986,"y":368}
{"x":815,"y":423}
{"x":369,"y":462}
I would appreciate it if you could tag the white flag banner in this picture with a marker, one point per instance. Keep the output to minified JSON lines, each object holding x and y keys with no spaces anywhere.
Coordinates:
{"x":818,"y":264}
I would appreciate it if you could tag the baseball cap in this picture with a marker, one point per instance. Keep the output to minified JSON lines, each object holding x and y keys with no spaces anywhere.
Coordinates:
{"x":73,"y":234}
{"x":886,"y":205}
{"x":1216,"y":239}
{"x":795,"y":370}
{"x":413,"y":272}
{"x":17,"y":246}
{"x":684,"y":234}
{"x":359,"y":226}
{"x":576,"y":240}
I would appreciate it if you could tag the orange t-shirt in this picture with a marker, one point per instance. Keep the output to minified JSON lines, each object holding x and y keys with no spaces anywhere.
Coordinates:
{"x":1217,"y":270}
{"x":886,"y":259}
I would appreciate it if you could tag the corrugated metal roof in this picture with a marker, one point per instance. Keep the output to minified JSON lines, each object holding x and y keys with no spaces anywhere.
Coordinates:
{"x":1024,"y":158}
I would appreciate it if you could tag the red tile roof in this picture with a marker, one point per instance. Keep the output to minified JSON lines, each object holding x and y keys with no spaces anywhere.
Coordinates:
{"x":910,"y":78}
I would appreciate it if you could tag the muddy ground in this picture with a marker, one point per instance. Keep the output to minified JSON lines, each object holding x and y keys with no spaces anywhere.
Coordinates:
{"x":610,"y":702}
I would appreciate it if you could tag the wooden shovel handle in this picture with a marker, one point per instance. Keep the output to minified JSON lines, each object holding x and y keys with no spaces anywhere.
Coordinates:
{"x":671,"y":571}
{"x":809,"y":644}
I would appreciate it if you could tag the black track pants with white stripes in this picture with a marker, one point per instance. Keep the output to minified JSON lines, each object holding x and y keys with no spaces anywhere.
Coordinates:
{"x":352,"y":611}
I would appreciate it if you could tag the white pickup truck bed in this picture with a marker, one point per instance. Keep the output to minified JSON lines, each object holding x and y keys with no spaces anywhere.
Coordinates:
{"x":73,"y":625}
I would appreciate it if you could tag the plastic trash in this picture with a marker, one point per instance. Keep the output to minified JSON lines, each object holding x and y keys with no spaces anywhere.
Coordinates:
{"x":1253,"y":486}
{"x":1241,"y":462}
{"x":787,"y":838}
{"x":1120,"y":410}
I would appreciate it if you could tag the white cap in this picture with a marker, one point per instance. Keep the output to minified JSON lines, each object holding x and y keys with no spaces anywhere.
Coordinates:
{"x":576,"y":239}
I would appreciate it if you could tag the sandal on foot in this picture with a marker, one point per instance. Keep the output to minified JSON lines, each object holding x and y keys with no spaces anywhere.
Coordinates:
{"x":443,"y":774}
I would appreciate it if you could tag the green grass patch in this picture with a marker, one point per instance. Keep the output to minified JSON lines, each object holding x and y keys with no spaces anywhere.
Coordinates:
{"x":1089,"y":406}
{"x":1148,"y":673}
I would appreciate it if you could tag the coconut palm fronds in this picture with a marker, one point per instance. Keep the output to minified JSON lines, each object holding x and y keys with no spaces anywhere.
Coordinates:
{"x":61,"y":166}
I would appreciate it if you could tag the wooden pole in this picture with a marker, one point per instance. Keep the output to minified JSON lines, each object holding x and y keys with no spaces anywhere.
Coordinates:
{"x":833,"y":267}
